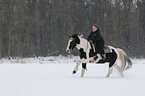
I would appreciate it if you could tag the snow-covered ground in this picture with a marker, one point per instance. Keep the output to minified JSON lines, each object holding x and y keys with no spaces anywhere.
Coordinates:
{"x":52,"y":76}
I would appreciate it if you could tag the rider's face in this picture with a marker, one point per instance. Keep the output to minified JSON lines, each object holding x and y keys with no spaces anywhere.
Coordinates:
{"x":94,"y":28}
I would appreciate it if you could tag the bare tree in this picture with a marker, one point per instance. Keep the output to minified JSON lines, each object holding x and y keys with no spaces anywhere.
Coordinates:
{"x":42,"y":27}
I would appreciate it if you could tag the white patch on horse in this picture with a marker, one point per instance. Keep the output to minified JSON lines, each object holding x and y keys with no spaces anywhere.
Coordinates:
{"x":67,"y":49}
{"x":85,"y":45}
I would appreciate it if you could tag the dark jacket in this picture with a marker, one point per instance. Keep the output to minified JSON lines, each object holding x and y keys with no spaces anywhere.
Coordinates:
{"x":97,"y":40}
{"x":95,"y":37}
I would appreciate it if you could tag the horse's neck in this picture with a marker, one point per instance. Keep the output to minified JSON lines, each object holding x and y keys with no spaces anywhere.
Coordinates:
{"x":83,"y":44}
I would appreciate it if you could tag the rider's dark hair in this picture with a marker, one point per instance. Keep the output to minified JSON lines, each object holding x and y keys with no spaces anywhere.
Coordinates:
{"x":96,"y":26}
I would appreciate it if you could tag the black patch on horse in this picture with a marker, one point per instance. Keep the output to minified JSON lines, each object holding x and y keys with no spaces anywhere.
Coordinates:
{"x":76,"y":38}
{"x":72,"y":45}
{"x":82,"y":54}
{"x":111,"y":58}
{"x":84,"y":65}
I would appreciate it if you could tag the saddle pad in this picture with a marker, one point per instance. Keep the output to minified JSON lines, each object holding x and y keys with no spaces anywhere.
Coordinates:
{"x":107,"y":49}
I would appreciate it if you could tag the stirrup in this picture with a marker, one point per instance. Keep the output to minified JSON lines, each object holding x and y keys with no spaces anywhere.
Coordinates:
{"x":94,"y":59}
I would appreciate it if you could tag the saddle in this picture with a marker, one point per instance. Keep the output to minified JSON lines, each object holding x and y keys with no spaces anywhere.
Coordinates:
{"x":106,"y":48}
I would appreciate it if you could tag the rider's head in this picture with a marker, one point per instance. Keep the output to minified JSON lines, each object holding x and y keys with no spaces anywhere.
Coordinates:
{"x":95,"y":27}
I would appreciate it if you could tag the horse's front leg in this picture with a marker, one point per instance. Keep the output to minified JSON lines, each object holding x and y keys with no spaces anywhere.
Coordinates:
{"x":83,"y":69}
{"x":76,"y":67}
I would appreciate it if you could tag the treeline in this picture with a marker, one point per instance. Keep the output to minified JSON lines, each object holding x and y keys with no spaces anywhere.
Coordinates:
{"x":41,"y":27}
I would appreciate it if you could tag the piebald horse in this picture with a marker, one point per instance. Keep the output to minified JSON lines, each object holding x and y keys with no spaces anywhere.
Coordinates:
{"x":87,"y":54}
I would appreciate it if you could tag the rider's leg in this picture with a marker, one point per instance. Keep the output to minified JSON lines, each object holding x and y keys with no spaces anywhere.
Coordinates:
{"x":99,"y":46}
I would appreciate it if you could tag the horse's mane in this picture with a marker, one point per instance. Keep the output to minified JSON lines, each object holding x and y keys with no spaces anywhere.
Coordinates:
{"x":76,"y":35}
{"x":76,"y":38}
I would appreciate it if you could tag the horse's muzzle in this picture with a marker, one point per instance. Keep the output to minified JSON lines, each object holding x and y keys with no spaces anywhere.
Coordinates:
{"x":68,"y":51}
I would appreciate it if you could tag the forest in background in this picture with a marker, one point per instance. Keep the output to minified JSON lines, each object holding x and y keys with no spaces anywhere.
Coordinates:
{"x":42,"y":27}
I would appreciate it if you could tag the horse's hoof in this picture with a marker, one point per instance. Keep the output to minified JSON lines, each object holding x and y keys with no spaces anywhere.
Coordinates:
{"x":122,"y":75}
{"x":107,"y":76}
{"x":74,"y":72}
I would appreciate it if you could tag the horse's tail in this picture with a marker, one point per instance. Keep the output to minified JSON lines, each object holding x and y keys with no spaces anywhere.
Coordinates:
{"x":126,"y":62}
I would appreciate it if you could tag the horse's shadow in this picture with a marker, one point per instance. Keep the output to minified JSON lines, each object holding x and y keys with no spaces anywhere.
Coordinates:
{"x":102,"y":77}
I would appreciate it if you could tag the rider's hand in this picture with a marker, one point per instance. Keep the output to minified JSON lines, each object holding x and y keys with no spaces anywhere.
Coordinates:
{"x":91,"y":41}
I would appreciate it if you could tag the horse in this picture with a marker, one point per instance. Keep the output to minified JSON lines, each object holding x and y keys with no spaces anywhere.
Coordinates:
{"x":87,"y":53}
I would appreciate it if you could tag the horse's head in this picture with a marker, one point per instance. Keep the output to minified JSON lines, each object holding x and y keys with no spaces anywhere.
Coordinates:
{"x":73,"y":42}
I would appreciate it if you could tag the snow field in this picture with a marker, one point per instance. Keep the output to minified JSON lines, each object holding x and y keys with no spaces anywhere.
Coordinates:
{"x":52,"y":76}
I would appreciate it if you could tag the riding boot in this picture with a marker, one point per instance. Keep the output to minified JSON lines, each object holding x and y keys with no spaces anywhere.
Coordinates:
{"x":102,"y":56}
{"x":95,"y":58}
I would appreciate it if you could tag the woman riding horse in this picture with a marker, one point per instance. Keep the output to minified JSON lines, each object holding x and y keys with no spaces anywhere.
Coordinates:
{"x":98,"y":41}
{"x":87,"y":54}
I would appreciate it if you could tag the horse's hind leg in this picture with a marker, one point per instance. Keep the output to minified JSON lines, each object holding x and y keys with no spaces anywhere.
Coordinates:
{"x":119,"y":70}
{"x":109,"y":71}
{"x":121,"y":57}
